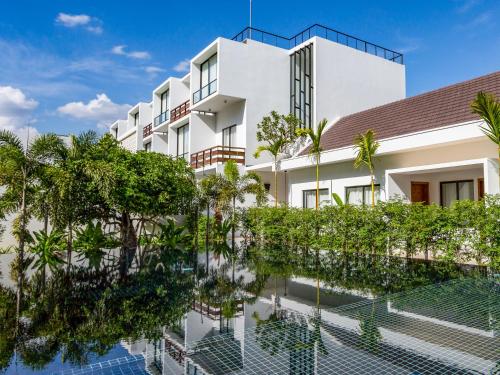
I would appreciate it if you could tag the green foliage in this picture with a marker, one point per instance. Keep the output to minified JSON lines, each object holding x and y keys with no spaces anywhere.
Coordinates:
{"x":90,"y":243}
{"x":278,"y":132}
{"x":467,"y":231}
{"x":488,"y":107}
{"x":48,"y":249}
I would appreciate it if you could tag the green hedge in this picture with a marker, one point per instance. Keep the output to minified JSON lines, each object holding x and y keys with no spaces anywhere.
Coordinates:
{"x":467,"y":231}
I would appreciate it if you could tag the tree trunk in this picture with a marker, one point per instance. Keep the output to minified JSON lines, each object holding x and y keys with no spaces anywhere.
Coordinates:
{"x":207,"y":228}
{"x":373,"y":190}
{"x":317,"y":182}
{"x":129,"y":244}
{"x":275,"y":182}
{"x":21,"y":248}
{"x":233,"y":239}
{"x":70,"y":246}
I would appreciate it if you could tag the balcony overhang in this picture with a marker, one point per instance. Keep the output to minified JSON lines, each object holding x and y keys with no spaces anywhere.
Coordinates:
{"x":215,"y":102}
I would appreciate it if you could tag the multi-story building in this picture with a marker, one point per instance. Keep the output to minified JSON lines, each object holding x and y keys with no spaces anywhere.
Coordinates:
{"x":431,"y":145}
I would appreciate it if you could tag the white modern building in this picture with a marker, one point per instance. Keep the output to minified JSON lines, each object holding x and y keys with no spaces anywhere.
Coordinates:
{"x":431,"y":145}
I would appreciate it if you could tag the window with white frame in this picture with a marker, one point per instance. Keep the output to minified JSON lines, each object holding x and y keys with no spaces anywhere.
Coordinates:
{"x":361,"y":195}
{"x":229,"y":136}
{"x":452,"y":191}
{"x":182,"y":141}
{"x":309,"y":198}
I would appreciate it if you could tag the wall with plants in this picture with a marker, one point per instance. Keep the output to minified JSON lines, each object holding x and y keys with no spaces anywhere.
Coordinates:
{"x":469,"y":231}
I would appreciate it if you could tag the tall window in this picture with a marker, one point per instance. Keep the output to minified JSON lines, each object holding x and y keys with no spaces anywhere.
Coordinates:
{"x":164,"y":101}
{"x":182,"y":141}
{"x":301,"y":87}
{"x":116,"y":132}
{"x":361,"y":195}
{"x":208,"y":71}
{"x":229,"y":136}
{"x":136,"y":119}
{"x":309,"y":198}
{"x":147,"y":147}
{"x":452,"y":191}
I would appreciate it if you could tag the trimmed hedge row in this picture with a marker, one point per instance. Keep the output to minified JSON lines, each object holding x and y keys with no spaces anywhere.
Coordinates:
{"x":467,"y":231}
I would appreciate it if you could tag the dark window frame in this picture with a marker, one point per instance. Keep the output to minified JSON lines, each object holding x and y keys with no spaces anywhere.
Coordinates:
{"x":165,"y":93}
{"x":147,"y":146}
{"x":308,"y":191}
{"x":302,"y":107}
{"x":136,"y":118}
{"x":456,"y":182}
{"x":207,"y":61}
{"x":360,"y":186}
{"x":185,"y":153}
{"x":231,"y":129}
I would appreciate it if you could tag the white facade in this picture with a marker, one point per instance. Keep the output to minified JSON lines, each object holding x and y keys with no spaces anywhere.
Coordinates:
{"x":211,"y":114}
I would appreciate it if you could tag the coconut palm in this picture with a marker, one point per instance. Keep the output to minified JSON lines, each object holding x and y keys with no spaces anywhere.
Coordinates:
{"x":234,"y":188}
{"x":366,"y":146}
{"x":20,"y":167}
{"x":315,"y":149}
{"x":488,"y":107}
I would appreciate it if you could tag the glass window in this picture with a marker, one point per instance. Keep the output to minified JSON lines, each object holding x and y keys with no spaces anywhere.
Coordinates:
{"x":452,"y":191}
{"x":301,"y":89}
{"x":182,"y":141}
{"x":136,"y":119}
{"x":208,"y":71}
{"x":229,"y":136}
{"x":164,"y":101}
{"x":147,"y":146}
{"x":361,"y":195}
{"x":309,"y":198}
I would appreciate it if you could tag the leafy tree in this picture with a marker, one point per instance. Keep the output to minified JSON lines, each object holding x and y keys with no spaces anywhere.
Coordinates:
{"x":19,"y":171}
{"x":488,"y":107}
{"x":315,"y":149}
{"x":366,"y":146}
{"x":278,"y":132}
{"x":90,"y":242}
{"x":48,"y":248}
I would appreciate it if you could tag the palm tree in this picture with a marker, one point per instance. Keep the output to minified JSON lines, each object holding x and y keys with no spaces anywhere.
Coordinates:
{"x":366,"y":146}
{"x":234,"y":188}
{"x":48,"y":248}
{"x":19,"y":171}
{"x":315,"y":149}
{"x":279,"y":133}
{"x":488,"y":107}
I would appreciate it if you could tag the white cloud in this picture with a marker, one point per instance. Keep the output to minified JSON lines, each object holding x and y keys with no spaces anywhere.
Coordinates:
{"x":16,"y":112}
{"x":91,"y":24}
{"x":120,"y":50}
{"x":101,"y":109}
{"x":182,"y":66}
{"x":153,"y":70}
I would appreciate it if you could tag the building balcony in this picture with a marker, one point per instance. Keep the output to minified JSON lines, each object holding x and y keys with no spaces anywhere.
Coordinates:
{"x":217,"y":154}
{"x":180,"y":111}
{"x":147,"y":131}
{"x":205,"y":91}
{"x":162,"y":118}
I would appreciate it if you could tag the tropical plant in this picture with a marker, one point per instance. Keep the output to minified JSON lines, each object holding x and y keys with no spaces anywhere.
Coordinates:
{"x":278,"y":132}
{"x":315,"y":148}
{"x":487,"y":107}
{"x":19,"y":171}
{"x":48,"y":249}
{"x":366,"y":146}
{"x":90,"y":242}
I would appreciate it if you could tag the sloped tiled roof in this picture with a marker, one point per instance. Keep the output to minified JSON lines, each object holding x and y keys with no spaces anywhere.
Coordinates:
{"x":446,"y":106}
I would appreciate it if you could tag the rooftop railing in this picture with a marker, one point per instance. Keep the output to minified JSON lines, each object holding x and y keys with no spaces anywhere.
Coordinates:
{"x":162,"y":117}
{"x":320,"y":31}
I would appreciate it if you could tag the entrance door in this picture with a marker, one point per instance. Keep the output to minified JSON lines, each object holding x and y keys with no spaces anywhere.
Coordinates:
{"x":480,"y":188}
{"x":420,"y":192}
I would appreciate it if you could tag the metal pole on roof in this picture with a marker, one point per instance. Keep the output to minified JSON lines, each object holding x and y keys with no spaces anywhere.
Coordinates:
{"x":250,"y":30}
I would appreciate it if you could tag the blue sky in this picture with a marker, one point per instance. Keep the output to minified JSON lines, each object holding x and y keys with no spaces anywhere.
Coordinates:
{"x":68,"y":66}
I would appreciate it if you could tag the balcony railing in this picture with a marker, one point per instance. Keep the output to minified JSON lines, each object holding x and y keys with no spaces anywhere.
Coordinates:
{"x":320,"y":31}
{"x":147,"y":131}
{"x":217,"y":154}
{"x":215,"y":312}
{"x":205,"y":91}
{"x":163,"y":117}
{"x":180,"y":111}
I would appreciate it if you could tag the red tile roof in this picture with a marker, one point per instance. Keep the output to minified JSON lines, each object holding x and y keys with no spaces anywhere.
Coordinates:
{"x":446,"y":106}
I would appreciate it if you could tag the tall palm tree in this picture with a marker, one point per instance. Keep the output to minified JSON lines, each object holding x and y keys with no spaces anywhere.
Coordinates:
{"x":20,"y":167}
{"x":488,"y":107}
{"x":275,"y":150}
{"x":234,"y":188}
{"x":366,"y":146}
{"x":315,"y":149}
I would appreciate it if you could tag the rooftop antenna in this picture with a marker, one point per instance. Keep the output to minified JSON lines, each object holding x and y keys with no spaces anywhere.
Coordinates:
{"x":250,"y":29}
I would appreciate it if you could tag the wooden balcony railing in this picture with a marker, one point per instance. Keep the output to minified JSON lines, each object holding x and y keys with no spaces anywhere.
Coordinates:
{"x":215,"y":312}
{"x":179,"y":111}
{"x":217,"y":154}
{"x":147,"y":131}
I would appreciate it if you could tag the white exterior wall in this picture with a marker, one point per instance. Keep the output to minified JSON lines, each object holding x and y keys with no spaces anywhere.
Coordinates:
{"x":337,"y":176}
{"x":347,"y":80}
{"x":130,"y":142}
